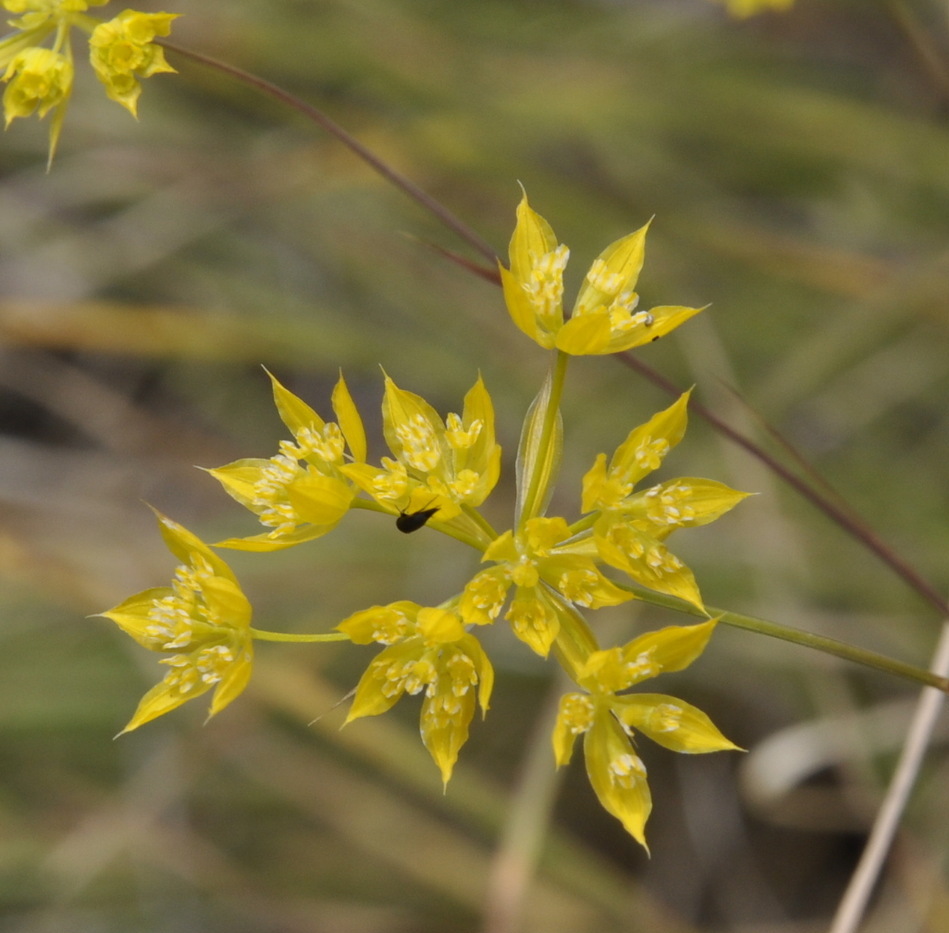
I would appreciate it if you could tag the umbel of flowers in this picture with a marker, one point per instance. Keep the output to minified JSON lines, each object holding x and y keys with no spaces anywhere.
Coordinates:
{"x":37,"y":62}
{"x":543,"y":575}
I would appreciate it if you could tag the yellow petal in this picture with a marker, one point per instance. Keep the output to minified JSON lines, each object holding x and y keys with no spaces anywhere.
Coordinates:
{"x":444,"y":726}
{"x":350,"y":422}
{"x":672,"y":648}
{"x":645,"y":327}
{"x":646,"y":446}
{"x":321,"y":500}
{"x":533,"y":237}
{"x":617,"y":775}
{"x":414,"y":431}
{"x":672,"y":723}
{"x":293,"y":411}
{"x":586,"y":335}
{"x":612,"y":273}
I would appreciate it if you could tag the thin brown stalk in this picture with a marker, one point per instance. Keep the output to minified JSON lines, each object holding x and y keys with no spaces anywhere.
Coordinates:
{"x":845,"y":517}
{"x":406,"y":185}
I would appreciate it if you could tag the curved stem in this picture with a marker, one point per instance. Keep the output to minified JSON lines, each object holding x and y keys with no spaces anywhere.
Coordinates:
{"x":832,"y":646}
{"x":405,"y":185}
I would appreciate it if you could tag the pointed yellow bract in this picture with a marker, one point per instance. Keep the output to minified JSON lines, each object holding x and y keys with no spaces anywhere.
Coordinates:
{"x":608,"y":720}
{"x":428,"y":651}
{"x":202,"y":619}
{"x":605,"y":318}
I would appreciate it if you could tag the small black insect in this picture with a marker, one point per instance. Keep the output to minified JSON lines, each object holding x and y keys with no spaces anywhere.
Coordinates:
{"x":407,"y":522}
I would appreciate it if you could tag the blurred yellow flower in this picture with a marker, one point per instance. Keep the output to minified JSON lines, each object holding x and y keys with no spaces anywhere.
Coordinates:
{"x":605,"y":318}
{"x":203,"y":617}
{"x":122,"y":52}
{"x":39,"y":79}
{"x":608,"y":721}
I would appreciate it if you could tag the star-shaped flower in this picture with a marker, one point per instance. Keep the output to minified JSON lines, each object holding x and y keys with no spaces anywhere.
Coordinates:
{"x":302,"y":492}
{"x":605,"y":318}
{"x":447,"y":466}
{"x":608,"y":720}
{"x":202,"y":619}
{"x":630,"y":527}
{"x":541,"y":562}
{"x":428,"y":651}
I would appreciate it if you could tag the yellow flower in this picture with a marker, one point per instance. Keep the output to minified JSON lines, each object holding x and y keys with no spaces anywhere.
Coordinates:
{"x":540,"y":557}
{"x":427,"y":651}
{"x":450,"y":466}
{"x":203,"y":617}
{"x":122,"y":51}
{"x":38,"y":80}
{"x":629,"y":527}
{"x":302,"y":492}
{"x":604,"y":318}
{"x":609,"y":721}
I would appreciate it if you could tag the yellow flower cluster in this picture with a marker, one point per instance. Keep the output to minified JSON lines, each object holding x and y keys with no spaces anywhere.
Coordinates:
{"x":39,"y":79}
{"x":540,"y":575}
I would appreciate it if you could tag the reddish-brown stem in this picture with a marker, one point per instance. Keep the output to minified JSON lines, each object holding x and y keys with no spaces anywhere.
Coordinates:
{"x":846,"y":519}
{"x":404,"y":184}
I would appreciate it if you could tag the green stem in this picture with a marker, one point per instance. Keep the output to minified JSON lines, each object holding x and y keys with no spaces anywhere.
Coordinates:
{"x":839,"y":649}
{"x":575,"y":641}
{"x":261,"y":635}
{"x":535,"y":494}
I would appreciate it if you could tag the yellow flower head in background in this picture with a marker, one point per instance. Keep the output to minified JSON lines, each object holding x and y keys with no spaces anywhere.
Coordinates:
{"x":122,"y":52}
{"x":39,"y":79}
{"x":608,"y":720}
{"x":605,"y":318}
{"x":202,"y":620}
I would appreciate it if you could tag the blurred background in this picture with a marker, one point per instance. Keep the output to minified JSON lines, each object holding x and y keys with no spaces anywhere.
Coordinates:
{"x":798,"y":168}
